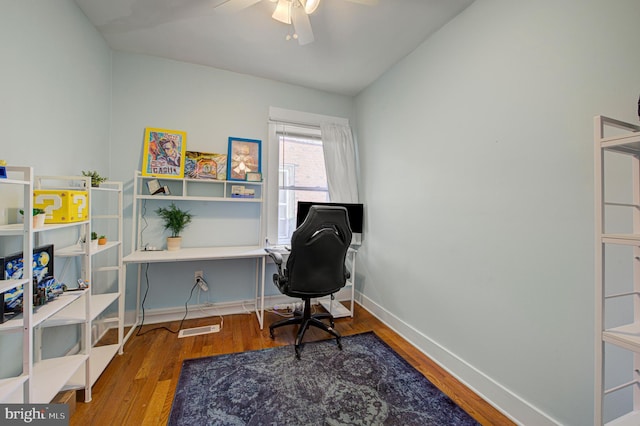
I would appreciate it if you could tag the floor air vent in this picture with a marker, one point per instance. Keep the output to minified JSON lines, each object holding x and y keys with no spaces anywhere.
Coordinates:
{"x":188,"y":332}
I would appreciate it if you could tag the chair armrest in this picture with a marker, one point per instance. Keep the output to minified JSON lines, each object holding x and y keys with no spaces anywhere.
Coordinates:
{"x":277,"y":259}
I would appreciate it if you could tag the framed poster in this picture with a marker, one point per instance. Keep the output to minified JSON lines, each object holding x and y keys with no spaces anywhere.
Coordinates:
{"x":244,"y":157}
{"x":163,"y":154}
{"x":205,"y":165}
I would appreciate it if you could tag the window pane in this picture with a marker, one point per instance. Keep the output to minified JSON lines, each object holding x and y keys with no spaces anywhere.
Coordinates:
{"x":302,"y":178}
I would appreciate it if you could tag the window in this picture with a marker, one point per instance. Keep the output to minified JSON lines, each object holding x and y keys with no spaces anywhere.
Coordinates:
{"x":302,"y":175}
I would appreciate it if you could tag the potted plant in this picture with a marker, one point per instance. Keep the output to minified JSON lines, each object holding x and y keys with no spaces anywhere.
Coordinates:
{"x":96,"y":179}
{"x":93,"y":241}
{"x":102,"y":240}
{"x":38,"y":217}
{"x":175,"y":220}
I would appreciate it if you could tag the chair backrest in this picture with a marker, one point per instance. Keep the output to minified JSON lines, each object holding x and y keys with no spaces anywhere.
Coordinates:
{"x":315,"y":266}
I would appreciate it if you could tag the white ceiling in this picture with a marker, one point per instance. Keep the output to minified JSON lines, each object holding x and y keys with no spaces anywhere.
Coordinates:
{"x":354,"y":43}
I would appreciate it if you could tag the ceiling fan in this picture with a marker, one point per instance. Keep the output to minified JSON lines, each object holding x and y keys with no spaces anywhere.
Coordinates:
{"x":291,"y":12}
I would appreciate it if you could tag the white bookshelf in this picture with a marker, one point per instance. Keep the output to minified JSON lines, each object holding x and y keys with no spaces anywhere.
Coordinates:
{"x":614,"y":138}
{"x":19,"y":388}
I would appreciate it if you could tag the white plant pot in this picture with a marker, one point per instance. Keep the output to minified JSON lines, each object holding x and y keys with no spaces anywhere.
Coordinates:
{"x":38,"y":220}
{"x":174,"y":243}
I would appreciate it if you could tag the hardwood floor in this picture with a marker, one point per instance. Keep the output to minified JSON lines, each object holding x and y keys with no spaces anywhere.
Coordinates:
{"x":137,"y":388}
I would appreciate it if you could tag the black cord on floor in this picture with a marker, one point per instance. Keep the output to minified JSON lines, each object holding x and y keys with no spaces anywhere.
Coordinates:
{"x":186,"y":308}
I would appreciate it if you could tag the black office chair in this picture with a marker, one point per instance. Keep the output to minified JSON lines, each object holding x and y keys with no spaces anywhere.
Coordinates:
{"x":315,"y":267}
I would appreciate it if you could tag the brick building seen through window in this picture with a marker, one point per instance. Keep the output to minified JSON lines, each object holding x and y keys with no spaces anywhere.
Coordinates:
{"x":302,"y":177}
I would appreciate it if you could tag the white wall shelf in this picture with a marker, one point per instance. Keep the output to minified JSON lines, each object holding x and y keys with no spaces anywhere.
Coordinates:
{"x":614,"y":138}
{"x":10,"y":386}
{"x":18,"y":228}
{"x":194,"y":198}
{"x":188,"y":191}
{"x":100,"y":358}
{"x":11,"y":284}
{"x":197,"y":189}
{"x":76,"y":311}
{"x":51,"y":375}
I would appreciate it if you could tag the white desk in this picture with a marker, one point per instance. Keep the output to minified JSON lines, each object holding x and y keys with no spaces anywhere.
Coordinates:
{"x":204,"y":253}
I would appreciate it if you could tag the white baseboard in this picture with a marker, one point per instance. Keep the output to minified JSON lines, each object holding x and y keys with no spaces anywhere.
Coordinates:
{"x":155,"y":316}
{"x":505,"y":401}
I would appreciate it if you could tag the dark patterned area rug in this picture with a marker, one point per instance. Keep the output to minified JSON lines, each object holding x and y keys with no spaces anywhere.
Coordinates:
{"x":367,"y":383}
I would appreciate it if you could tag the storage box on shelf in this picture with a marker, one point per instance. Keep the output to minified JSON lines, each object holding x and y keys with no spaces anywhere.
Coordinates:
{"x":614,"y":138}
{"x":62,"y":206}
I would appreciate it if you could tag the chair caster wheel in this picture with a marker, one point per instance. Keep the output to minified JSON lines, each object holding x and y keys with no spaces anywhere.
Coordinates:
{"x":271,"y":334}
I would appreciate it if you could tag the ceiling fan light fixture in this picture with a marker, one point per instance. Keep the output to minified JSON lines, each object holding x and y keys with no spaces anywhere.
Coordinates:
{"x":283,"y":12}
{"x":310,"y":6}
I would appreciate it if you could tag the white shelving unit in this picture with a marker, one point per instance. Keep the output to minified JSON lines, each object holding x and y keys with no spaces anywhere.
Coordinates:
{"x":189,"y":190}
{"x":41,"y":378}
{"x":615,"y":138}
{"x":196,"y":190}
{"x":22,"y":178}
{"x":102,"y":267}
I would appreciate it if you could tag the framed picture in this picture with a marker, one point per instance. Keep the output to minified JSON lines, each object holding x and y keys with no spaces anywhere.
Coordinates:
{"x":244,"y":157}
{"x":164,"y":152}
{"x":205,"y":165}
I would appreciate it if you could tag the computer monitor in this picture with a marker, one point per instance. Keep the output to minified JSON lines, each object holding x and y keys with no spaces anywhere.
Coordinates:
{"x":355,"y":212}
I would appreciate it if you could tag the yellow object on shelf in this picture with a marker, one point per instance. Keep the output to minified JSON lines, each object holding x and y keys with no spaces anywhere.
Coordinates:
{"x":61,"y":205}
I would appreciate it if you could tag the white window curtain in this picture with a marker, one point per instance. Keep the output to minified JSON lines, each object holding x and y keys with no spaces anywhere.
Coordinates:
{"x":340,"y":162}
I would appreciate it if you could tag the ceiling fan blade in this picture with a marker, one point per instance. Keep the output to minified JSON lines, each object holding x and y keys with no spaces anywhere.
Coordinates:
{"x":233,"y":6}
{"x":302,"y":25}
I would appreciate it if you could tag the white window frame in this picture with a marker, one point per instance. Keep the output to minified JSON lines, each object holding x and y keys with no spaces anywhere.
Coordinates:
{"x":279,"y":117}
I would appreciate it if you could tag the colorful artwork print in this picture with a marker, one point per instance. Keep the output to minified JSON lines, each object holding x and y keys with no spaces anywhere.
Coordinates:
{"x":164,"y":152}
{"x":205,"y":165}
{"x":14,"y":266}
{"x":244,"y":157}
{"x":14,"y":270}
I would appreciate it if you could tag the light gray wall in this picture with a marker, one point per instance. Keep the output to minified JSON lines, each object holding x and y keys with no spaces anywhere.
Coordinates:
{"x":210,"y":105}
{"x":476,"y":156}
{"x":55,"y":102}
{"x":477,"y":168}
{"x":55,"y":88}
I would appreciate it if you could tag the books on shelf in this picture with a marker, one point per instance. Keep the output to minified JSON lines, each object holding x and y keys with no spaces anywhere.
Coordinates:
{"x":240,"y":191}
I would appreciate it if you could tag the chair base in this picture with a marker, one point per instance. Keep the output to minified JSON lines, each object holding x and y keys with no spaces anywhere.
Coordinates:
{"x":306,"y":320}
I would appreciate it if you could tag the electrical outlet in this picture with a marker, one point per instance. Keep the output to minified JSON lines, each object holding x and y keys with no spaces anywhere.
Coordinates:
{"x":199,"y":279}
